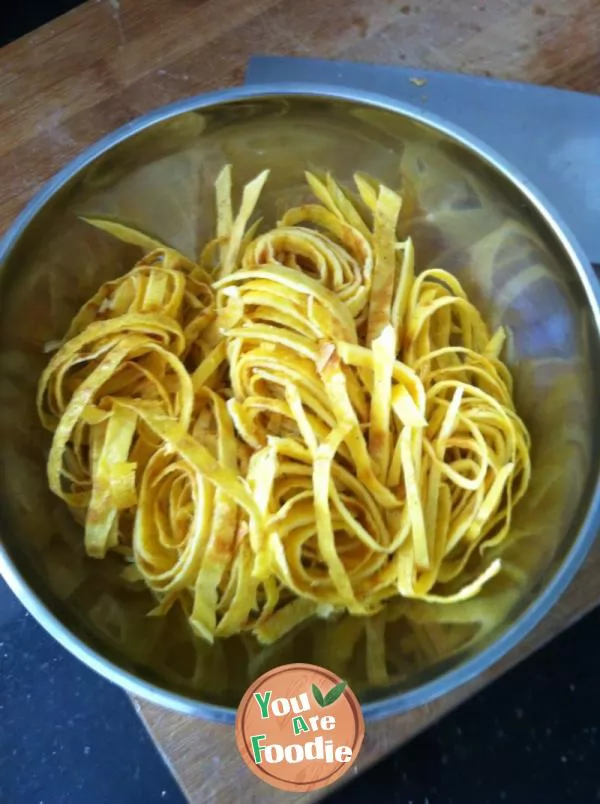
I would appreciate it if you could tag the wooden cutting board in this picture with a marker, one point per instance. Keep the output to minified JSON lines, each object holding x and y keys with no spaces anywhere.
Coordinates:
{"x":74,"y":80}
{"x":205,"y":761}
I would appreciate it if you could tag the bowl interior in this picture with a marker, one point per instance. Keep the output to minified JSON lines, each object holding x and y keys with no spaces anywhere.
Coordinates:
{"x":468,"y":218}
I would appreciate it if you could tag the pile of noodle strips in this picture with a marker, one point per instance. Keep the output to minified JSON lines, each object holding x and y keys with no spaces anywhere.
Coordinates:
{"x":297,"y":425}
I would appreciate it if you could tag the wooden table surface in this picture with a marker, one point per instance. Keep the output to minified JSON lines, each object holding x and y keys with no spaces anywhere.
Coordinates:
{"x":72,"y":81}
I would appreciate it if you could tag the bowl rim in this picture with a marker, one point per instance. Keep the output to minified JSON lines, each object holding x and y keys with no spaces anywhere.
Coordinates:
{"x":398,"y":702}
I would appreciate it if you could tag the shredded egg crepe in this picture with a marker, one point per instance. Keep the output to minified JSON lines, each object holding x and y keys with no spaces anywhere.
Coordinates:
{"x":298,"y":424}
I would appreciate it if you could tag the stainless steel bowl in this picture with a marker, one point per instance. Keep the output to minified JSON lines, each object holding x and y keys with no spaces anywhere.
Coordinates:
{"x":475,"y":216}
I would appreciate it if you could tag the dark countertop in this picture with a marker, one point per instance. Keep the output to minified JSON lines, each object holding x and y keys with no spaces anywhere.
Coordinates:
{"x":533,"y":737}
{"x":67,"y":736}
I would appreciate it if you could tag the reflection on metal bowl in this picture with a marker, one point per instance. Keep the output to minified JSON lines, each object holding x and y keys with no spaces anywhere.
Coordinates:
{"x":469,"y":213}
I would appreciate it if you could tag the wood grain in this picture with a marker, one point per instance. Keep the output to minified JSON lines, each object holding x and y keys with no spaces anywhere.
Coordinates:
{"x":74,"y":80}
{"x":208,"y":767}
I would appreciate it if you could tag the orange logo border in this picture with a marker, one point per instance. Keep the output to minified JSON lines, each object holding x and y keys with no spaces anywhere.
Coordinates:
{"x":348,"y":700}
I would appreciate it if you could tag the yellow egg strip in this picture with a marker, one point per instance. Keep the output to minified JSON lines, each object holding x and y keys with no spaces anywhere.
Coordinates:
{"x":297,"y":426}
{"x":385,"y":216}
